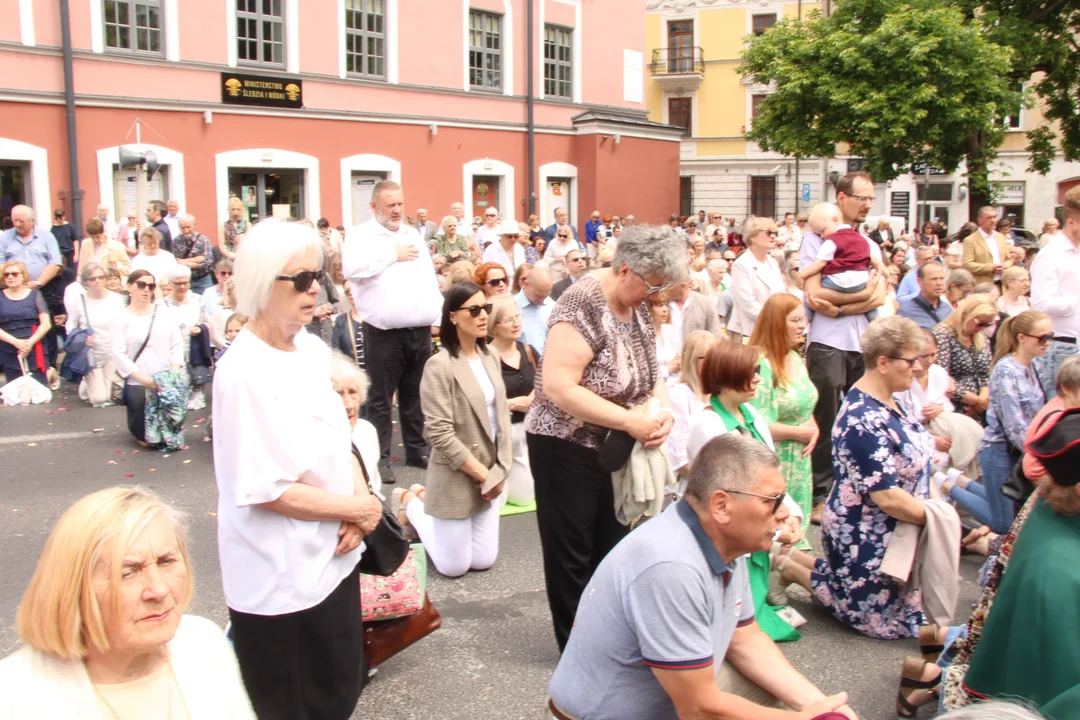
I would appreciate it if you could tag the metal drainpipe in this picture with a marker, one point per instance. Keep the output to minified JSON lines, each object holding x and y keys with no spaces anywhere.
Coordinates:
{"x":531,"y":127}
{"x":75,"y":191}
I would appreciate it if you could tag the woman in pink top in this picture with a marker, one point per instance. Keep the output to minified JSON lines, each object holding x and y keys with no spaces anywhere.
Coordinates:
{"x":1068,"y":388}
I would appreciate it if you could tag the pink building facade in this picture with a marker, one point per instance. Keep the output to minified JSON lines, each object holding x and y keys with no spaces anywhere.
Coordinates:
{"x":299,"y":110}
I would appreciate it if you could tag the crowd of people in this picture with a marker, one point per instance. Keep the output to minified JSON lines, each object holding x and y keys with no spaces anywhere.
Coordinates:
{"x":678,"y":402}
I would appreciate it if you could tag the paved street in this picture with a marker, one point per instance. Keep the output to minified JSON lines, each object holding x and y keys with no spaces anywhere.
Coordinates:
{"x":495,"y":652}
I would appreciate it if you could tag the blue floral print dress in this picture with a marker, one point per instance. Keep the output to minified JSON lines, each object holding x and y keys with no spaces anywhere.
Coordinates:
{"x":874,"y":448}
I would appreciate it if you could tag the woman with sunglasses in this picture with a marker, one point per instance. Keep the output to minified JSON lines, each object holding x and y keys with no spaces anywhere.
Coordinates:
{"x":94,"y":309}
{"x":1015,"y":398}
{"x":598,"y":376}
{"x":965,"y":353}
{"x":730,"y":375}
{"x":755,"y":275}
{"x":557,"y":249}
{"x":145,"y":341}
{"x":491,"y":277}
{"x":882,"y":459}
{"x":291,"y":513}
{"x":467,"y":422}
{"x":24,"y":322}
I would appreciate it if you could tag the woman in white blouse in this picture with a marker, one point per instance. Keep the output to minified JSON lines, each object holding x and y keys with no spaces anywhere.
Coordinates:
{"x":754,"y":277}
{"x":687,"y":399}
{"x":151,"y":257}
{"x":668,"y":350}
{"x":145,"y":341}
{"x":94,"y":310}
{"x":291,"y":514}
{"x":1015,"y":286}
{"x":190,"y":318}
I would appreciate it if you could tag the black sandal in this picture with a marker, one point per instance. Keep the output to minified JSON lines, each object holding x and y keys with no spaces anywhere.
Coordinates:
{"x":911,"y":681}
{"x":929,"y":646}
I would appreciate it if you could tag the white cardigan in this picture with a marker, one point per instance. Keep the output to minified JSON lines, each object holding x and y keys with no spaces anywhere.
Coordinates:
{"x":36,"y":685}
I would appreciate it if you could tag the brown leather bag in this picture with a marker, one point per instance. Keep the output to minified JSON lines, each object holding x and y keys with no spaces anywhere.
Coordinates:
{"x":386,"y":638}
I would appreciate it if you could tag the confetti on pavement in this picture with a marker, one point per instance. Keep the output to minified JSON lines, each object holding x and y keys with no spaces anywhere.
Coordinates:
{"x":97,"y":430}
{"x":112,"y":462}
{"x":186,"y":462}
{"x":129,"y":474}
{"x":31,"y":444}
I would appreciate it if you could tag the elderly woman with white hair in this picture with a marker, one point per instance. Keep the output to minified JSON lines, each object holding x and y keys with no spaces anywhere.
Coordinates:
{"x":351,"y":383}
{"x":103,"y":625}
{"x":94,"y":310}
{"x":599,"y":377}
{"x":190,"y":318}
{"x":151,"y":257}
{"x":291,"y":514}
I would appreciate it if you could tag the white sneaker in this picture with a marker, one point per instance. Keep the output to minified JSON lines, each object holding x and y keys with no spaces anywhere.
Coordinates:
{"x":791,"y":616}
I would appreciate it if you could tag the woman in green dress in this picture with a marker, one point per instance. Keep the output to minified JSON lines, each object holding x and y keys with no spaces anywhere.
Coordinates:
{"x":786,"y":398}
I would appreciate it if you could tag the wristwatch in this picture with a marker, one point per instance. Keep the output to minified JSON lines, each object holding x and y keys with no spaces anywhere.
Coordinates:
{"x":839,"y":311}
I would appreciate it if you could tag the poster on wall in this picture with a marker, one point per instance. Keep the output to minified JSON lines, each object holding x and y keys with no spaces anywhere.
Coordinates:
{"x":247,"y":192}
{"x":126,"y":187}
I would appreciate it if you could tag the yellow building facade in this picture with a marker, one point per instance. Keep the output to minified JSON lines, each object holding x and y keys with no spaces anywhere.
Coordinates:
{"x":694,"y":48}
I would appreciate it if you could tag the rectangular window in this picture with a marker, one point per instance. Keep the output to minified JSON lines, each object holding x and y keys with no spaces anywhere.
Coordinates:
{"x":1012,"y":122}
{"x":558,"y":62}
{"x":679,"y":114}
{"x":763,"y":23}
{"x":133,"y":25}
{"x":365,"y":38}
{"x":681,"y":46}
{"x":763,"y":196}
{"x":755,"y":105}
{"x":260,"y":32}
{"x":935,"y":192}
{"x":686,"y":195}
{"x":485,"y":50}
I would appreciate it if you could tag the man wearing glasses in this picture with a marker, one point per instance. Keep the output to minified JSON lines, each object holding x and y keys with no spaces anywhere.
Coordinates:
{"x":395,"y":291}
{"x":575,"y":268}
{"x":833,"y":355}
{"x":709,"y":658}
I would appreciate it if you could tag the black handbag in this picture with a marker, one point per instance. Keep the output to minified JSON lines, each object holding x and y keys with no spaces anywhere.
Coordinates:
{"x":386,"y":546}
{"x":614,"y":450}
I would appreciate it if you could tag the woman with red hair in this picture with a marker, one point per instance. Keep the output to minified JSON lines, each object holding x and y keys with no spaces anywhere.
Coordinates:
{"x":785,"y":396}
{"x":492,"y":279}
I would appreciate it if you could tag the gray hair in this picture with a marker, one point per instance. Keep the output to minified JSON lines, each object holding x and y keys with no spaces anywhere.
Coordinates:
{"x":188,"y":217}
{"x":223,"y":264}
{"x":1068,"y":375}
{"x":149,"y":233}
{"x":992,"y":710}
{"x":888,"y":337}
{"x":959,"y":276}
{"x":652,"y":250}
{"x":269,"y":247}
{"x":728,"y":462}
{"x":179,"y":272}
{"x":343,"y":371}
{"x":87,"y":270}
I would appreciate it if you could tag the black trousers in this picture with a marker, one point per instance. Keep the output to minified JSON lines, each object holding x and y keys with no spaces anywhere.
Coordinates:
{"x":833,"y":372}
{"x":306,"y":665}
{"x":395,"y":361}
{"x":575,"y":511}
{"x":135,"y":401}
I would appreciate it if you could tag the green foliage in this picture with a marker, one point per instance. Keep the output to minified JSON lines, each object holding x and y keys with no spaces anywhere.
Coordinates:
{"x":897,"y":81}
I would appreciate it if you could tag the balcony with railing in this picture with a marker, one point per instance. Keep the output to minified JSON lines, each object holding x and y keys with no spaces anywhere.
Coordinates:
{"x":678,"y":69}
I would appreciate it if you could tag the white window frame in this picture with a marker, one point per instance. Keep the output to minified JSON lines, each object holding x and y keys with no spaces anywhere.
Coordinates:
{"x":292,"y":37}
{"x":576,"y":49}
{"x":364,"y":163}
{"x":267,"y":159}
{"x":507,"y":37}
{"x":26,"y":23}
{"x":107,"y":158}
{"x":38,"y":159}
{"x":556,"y":170}
{"x":171,"y":18}
{"x":390,"y":34}
{"x":133,"y":28}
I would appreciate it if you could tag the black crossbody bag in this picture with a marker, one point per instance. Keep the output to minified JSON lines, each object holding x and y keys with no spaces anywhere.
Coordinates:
{"x":386,"y":546}
{"x":614,"y":450}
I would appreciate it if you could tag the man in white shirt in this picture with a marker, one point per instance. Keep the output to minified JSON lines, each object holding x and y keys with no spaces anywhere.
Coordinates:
{"x":1055,"y":290}
{"x":986,"y":254}
{"x":395,"y":291}
{"x":488,"y":233}
{"x":173,"y":218}
{"x":111,"y":228}
{"x":507,"y":249}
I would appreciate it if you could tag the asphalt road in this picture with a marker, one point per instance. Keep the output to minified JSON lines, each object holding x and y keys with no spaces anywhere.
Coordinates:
{"x":495,"y":652}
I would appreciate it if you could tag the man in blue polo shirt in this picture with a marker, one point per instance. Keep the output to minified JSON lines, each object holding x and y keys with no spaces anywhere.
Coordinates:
{"x":666,"y":628}
{"x":927,"y":308}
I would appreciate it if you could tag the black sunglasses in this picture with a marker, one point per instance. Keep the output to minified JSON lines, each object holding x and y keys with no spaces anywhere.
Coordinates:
{"x":142,"y":285}
{"x":777,"y":500}
{"x":474,"y":310}
{"x":910,"y":361}
{"x":302,"y":281}
{"x":496,"y":282}
{"x":1043,"y":339}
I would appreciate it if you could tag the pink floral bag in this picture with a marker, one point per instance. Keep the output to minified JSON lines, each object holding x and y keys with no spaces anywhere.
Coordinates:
{"x":398,"y":595}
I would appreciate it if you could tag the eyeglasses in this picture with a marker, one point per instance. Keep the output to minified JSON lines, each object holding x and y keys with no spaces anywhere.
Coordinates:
{"x":1043,"y":339}
{"x":652,"y":289}
{"x":576,"y":259}
{"x":802,"y":322}
{"x":224,"y":273}
{"x":490,"y":216}
{"x":142,"y":285}
{"x":777,"y":500}
{"x":983,"y":324}
{"x":910,"y":361}
{"x":864,"y":199}
{"x":181,"y":283}
{"x":772,"y":233}
{"x":563,"y":236}
{"x":496,"y":282}
{"x":303,"y":280}
{"x":92,"y":278}
{"x":475,"y":310}
{"x":13,"y":274}
{"x":511,"y":319}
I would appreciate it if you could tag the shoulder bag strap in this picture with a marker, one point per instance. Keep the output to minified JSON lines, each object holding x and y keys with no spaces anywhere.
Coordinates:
{"x":925,"y":305}
{"x":641,"y":339}
{"x":148,"y":334}
{"x":363,"y":467}
{"x":86,"y":313}
{"x":529,"y":355}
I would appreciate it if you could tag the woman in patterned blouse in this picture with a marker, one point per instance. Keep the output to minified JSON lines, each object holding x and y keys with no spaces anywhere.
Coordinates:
{"x":964,"y":352}
{"x":882,"y":460}
{"x":1015,"y":398}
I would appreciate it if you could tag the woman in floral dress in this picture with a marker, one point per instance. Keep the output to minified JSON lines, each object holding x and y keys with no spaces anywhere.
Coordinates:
{"x":786,"y":397}
{"x":882,"y":461}
{"x":965,"y":353}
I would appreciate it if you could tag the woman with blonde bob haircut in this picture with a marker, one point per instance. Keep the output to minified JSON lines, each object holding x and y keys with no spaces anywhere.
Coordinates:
{"x":687,"y":400}
{"x":964,"y":351}
{"x":103,"y":622}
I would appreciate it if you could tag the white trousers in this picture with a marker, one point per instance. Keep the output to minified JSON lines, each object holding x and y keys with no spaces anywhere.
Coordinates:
{"x":519,"y":484}
{"x":457,"y":546}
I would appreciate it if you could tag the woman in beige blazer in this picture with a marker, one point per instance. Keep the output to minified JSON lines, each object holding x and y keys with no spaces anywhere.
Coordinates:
{"x":467,"y":422}
{"x":754,"y":277}
{"x":100,"y":249}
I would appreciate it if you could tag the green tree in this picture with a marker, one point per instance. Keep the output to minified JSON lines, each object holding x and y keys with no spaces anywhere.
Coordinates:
{"x":896,"y":81}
